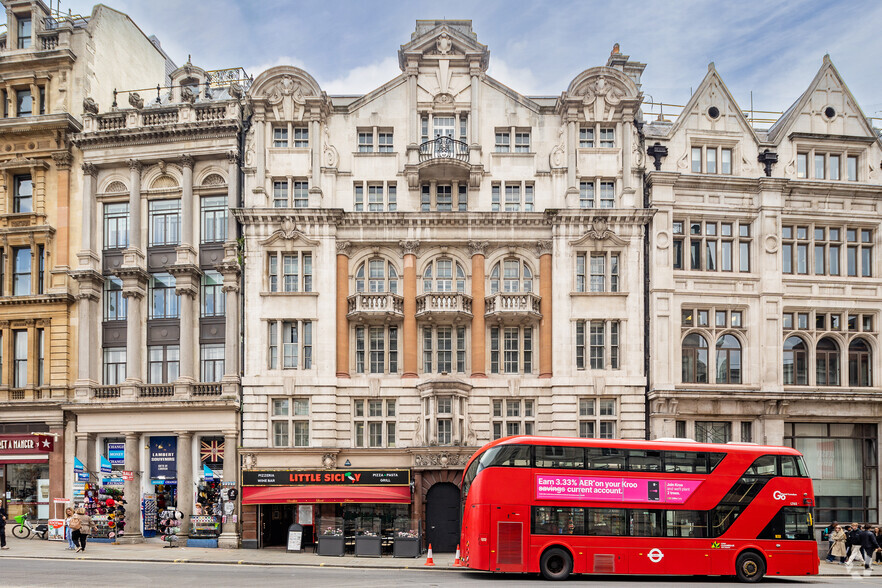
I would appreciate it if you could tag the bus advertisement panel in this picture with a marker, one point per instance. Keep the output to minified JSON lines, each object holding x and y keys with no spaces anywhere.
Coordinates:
{"x":558,"y":506}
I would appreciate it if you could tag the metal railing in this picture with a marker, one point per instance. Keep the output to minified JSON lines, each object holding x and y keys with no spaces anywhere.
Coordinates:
{"x":444,"y":148}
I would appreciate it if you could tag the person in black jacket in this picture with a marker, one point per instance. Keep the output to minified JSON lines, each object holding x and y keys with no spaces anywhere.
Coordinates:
{"x":869,"y":545}
{"x":853,"y":542}
{"x":3,"y":516}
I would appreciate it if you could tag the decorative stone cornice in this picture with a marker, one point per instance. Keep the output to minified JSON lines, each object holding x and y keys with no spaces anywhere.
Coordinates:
{"x":447,"y":458}
{"x":62,"y":160}
{"x":90,"y":169}
{"x":409,"y":247}
{"x":344,"y":248}
{"x":544,"y":247}
{"x":187,"y":161}
{"x":478,"y":247}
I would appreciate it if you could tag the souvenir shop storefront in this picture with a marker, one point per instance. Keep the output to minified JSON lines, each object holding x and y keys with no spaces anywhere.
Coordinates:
{"x":25,"y":474}
{"x":362,"y":512}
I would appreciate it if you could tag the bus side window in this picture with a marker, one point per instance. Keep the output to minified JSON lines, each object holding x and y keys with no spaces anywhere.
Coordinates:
{"x":646,"y":523}
{"x":722,"y":517}
{"x":608,"y":522}
{"x":558,"y":520}
{"x":686,"y":462}
{"x":640,"y":460}
{"x":604,"y":458}
{"x":788,"y":466}
{"x":551,"y":456}
{"x":686,"y":523}
{"x":763,"y":466}
{"x":714,"y":459}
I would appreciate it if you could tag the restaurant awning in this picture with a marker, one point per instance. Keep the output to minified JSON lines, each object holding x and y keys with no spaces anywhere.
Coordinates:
{"x":332,"y":494}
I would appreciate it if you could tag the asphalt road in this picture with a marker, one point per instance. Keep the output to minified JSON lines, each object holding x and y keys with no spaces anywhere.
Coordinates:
{"x":45,"y":573}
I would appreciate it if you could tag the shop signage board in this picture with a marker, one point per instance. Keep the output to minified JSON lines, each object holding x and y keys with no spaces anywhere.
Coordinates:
{"x":304,"y":514}
{"x":567,"y":487}
{"x":128,"y":475}
{"x":163,"y":457}
{"x":60,"y":500}
{"x":56,"y":530}
{"x":116,"y":453}
{"x":26,"y":444}
{"x":295,"y":537}
{"x":326,"y":477}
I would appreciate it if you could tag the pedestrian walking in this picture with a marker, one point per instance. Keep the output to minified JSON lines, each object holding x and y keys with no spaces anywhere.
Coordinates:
{"x":869,"y":544}
{"x":878,"y":531}
{"x":68,"y":514}
{"x":3,"y":516}
{"x":829,"y":533}
{"x":838,"y":549}
{"x":81,"y":523}
{"x":854,"y":543}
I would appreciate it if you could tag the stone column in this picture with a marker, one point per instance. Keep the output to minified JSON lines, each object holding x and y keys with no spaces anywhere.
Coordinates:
{"x":135,"y":204}
{"x":546,"y":343}
{"x":188,"y":323}
{"x":89,"y":211}
{"x":232,"y":193}
{"x":315,"y":141}
{"x":231,"y":328}
{"x":35,"y":18}
{"x":62,"y":226}
{"x":475,"y":72}
{"x":187,"y":201}
{"x":56,"y":465}
{"x":12,"y":31}
{"x":134,"y":342}
{"x":625,"y":129}
{"x":342,"y":309}
{"x":572,"y":132}
{"x":186,"y":488}
{"x":260,"y":152}
{"x":87,"y":314}
{"x":410,"y":249}
{"x":82,"y":451}
{"x":229,"y":537}
{"x":479,"y":360}
{"x":132,"y":490}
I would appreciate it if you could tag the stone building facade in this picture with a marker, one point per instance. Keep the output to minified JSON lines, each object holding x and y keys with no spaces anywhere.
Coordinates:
{"x":765,"y":283}
{"x":432,"y":265}
{"x":48,"y":64}
{"x":158,"y":279}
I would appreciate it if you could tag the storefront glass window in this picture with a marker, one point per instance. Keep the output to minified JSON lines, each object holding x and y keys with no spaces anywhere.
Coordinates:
{"x":26,"y":485}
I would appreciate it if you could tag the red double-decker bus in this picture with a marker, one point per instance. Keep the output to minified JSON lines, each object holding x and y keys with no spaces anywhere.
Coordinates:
{"x":557,"y":506}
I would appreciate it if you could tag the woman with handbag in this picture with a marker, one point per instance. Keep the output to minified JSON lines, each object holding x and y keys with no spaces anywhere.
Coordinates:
{"x":81,"y":523}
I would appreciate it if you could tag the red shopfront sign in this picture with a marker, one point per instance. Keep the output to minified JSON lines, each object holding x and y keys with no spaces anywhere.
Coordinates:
{"x":25,"y":444}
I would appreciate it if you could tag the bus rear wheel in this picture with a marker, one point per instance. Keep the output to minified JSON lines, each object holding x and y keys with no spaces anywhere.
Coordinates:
{"x":556,"y":564}
{"x":750,"y":567}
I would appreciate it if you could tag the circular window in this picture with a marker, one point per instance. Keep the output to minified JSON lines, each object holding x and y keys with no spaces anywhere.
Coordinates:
{"x":713,"y":112}
{"x":829,"y":112}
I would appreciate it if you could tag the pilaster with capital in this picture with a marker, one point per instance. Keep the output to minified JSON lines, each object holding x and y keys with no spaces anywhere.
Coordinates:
{"x":544,"y":249}
{"x":135,"y":168}
{"x":410,"y":249}
{"x":478,"y":251}
{"x":342,"y":279}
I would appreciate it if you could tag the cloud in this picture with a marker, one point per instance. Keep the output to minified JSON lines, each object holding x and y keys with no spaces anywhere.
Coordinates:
{"x":519,"y":79}
{"x":256,"y":70}
{"x":364,"y":78}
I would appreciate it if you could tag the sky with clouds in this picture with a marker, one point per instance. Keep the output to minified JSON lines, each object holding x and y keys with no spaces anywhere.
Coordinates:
{"x":772,"y":48}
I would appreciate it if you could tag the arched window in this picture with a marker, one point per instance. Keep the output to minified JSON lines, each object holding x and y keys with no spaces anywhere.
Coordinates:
{"x":514,"y":274}
{"x":728,"y":360}
{"x":378,"y":274}
{"x":442,"y":275}
{"x":695,"y":359}
{"x":859,"y":358}
{"x":827,"y":362}
{"x":795,"y":362}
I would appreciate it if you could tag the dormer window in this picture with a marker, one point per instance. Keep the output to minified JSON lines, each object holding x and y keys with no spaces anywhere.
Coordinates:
{"x":24,"y":33}
{"x":712,"y":160}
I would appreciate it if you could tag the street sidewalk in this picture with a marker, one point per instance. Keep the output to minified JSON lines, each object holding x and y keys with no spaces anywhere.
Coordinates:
{"x":153,"y":551}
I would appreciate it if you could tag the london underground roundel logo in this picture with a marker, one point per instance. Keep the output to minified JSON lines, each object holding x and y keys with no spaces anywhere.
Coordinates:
{"x":655,"y":555}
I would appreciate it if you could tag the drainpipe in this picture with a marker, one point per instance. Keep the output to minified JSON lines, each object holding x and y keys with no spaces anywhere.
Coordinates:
{"x":646,"y":278}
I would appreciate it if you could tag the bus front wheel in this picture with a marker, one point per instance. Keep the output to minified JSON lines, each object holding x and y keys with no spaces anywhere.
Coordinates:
{"x":556,"y":564}
{"x":750,"y":567}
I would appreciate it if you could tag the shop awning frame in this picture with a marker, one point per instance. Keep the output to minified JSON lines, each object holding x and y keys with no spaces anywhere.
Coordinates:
{"x":29,"y":458}
{"x":325,"y":494}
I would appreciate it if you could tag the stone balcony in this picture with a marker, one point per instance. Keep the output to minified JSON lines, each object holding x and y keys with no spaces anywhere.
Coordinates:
{"x":176,"y":392}
{"x":444,"y":158}
{"x":377,"y":307}
{"x":512,"y":307}
{"x":152,"y":117}
{"x":444,"y":307}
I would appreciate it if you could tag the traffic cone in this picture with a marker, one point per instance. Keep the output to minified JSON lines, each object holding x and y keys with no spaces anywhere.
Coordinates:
{"x":429,"y":560}
{"x":457,"y":563}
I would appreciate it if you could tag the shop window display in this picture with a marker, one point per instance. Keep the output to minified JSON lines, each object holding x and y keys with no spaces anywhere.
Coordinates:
{"x":23,"y":483}
{"x":205,"y":523}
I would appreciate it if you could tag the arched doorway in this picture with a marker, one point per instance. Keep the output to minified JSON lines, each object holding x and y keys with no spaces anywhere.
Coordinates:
{"x":442,"y":517}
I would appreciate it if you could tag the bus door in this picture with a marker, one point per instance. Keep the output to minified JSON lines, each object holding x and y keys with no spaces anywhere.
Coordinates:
{"x":510,"y":528}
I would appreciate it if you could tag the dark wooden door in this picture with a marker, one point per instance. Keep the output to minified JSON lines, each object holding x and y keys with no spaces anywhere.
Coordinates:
{"x":442,"y":517}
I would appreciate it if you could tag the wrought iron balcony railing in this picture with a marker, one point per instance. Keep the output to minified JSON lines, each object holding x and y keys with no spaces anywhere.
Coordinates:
{"x":444,"y":148}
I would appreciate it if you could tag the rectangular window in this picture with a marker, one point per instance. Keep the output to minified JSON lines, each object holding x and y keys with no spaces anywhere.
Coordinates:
{"x":598,"y":272}
{"x":163,"y":363}
{"x":300,"y":191}
{"x":366,"y":142}
{"x":580,"y":345}
{"x":597,"y":418}
{"x":297,"y":345}
{"x":280,"y":136}
{"x":165,"y":222}
{"x":20,"y":359}
{"x":359,"y":198}
{"x":711,"y":160}
{"x":825,"y":246}
{"x":114,"y":366}
{"x":384,"y":142}
{"x":833,"y":166}
{"x":24,"y":32}
{"x":212,"y":296}
{"x":214,"y":219}
{"x":379,"y":424}
{"x":696,"y":160}
{"x":713,"y":246}
{"x":607,"y":138}
{"x":116,"y":225}
{"x":114,"y":302}
{"x":725,"y":161}
{"x":586,"y":194}
{"x":280,"y":194}
{"x":21,"y":271}
{"x":273,"y":343}
{"x":512,"y":197}
{"x":522,"y":142}
{"x":518,"y":418}
{"x":24,"y":102}
{"x":211,"y":362}
{"x":586,"y":137}
{"x":802,"y":165}
{"x":23,"y":194}
{"x":819,"y":167}
{"x":290,"y":418}
{"x":164,"y":303}
{"x":597,"y":345}
{"x":376,"y":350}
{"x":516,"y":344}
{"x":580,"y":272}
{"x":851,"y":168}
{"x":503,"y":142}
{"x":301,"y":137}
{"x":607,"y":194}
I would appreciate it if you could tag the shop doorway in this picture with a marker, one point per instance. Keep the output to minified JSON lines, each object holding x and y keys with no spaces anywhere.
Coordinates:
{"x":274,"y":521}
{"x":442,"y":517}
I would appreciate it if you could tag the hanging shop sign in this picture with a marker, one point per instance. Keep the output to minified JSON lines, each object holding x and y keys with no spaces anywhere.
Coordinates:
{"x":26,"y":444}
{"x":325,"y":477}
{"x":163,"y":457}
{"x":116,"y":453}
{"x":106,"y":466}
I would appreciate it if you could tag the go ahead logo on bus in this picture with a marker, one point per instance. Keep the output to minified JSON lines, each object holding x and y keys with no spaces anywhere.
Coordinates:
{"x":778,"y":495}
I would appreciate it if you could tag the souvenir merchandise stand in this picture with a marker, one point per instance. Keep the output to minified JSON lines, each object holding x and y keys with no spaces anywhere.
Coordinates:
{"x":105,"y":504}
{"x":205,"y":523}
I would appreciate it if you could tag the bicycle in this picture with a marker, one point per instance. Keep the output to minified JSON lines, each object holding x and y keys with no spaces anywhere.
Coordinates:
{"x":24,"y":528}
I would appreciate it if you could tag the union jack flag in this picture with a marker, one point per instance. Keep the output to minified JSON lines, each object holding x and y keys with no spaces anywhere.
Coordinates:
{"x":212,"y":451}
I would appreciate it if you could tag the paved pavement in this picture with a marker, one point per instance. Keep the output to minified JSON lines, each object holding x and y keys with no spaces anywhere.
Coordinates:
{"x":154,"y":551}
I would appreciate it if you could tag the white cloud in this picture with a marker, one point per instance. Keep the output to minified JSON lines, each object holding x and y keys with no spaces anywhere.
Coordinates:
{"x":364,"y":78}
{"x":519,"y":79}
{"x":256,"y":70}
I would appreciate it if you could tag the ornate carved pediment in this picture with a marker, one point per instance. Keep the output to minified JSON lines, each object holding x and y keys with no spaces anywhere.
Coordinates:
{"x":601,"y":92}
{"x":443,"y":39}
{"x":288,"y":231}
{"x":600,"y":231}
{"x":286,"y":90}
{"x":441,"y":459}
